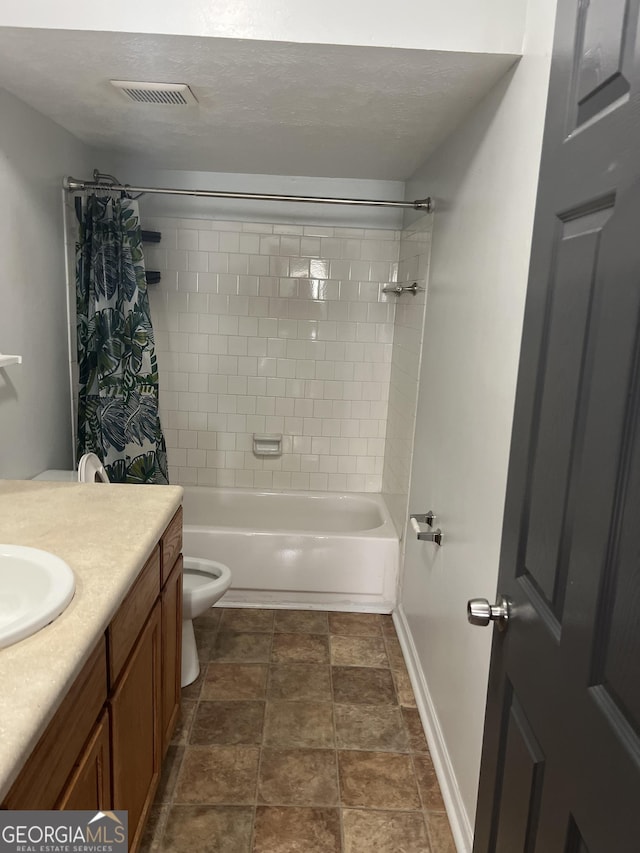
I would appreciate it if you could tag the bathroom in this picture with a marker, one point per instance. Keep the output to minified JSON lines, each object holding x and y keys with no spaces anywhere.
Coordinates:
{"x":385,"y":369}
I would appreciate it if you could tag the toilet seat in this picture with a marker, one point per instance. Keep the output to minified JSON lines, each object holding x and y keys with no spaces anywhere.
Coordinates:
{"x":91,"y":470}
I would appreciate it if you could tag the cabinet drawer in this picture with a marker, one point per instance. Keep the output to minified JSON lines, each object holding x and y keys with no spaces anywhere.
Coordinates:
{"x":46,"y":771}
{"x":132,"y":615}
{"x":171,"y":544}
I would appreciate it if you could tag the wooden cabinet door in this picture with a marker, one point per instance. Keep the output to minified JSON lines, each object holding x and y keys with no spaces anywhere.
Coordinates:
{"x":136,"y":736}
{"x":171,"y":652}
{"x":89,"y":787}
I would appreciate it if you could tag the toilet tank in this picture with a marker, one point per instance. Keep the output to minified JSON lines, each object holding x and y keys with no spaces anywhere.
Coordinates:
{"x":58,"y":476}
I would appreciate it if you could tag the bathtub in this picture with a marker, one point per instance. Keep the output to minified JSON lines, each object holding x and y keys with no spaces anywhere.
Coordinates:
{"x":296,"y":549}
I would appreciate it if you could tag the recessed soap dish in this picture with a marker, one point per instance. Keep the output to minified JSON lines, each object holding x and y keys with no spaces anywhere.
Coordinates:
{"x":267,"y":444}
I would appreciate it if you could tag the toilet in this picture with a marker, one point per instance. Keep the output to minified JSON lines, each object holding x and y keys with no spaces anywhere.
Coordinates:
{"x":203,"y":582}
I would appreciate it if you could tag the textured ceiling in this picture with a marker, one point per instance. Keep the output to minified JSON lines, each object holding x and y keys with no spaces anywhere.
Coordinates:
{"x":264,"y":107}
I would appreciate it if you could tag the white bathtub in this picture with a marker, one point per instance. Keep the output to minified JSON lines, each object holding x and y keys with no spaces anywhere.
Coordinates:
{"x":296,"y":549}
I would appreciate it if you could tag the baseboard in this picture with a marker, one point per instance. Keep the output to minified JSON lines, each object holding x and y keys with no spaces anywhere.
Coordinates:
{"x":301,"y":601}
{"x":456,"y":812}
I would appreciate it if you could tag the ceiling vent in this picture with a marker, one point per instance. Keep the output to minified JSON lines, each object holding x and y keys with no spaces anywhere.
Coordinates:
{"x":170,"y":94}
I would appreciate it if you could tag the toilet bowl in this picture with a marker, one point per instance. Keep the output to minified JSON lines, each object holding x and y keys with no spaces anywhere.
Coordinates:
{"x":203,"y":583}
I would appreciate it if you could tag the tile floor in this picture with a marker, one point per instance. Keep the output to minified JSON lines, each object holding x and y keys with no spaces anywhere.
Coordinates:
{"x":300,"y":736}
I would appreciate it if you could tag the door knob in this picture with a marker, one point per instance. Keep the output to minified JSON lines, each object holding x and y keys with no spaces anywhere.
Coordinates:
{"x":480,"y":612}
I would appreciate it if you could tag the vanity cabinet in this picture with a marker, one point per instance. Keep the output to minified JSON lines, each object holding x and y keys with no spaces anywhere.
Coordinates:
{"x":104,"y":747}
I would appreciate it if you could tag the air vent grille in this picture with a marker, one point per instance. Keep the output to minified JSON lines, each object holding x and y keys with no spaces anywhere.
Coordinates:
{"x":168,"y":94}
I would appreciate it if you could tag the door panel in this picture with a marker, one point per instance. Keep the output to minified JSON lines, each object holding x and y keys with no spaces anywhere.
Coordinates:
{"x":605,"y":39}
{"x":568,"y":312}
{"x":521,"y":784}
{"x":575,"y":841}
{"x":570,"y":557}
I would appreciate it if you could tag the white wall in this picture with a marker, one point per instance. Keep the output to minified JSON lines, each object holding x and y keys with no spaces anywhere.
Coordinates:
{"x":35,"y":154}
{"x":484,"y":179}
{"x":491,"y":26}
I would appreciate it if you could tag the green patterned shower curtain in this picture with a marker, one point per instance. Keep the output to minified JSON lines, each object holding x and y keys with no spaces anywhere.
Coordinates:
{"x":118,"y":374}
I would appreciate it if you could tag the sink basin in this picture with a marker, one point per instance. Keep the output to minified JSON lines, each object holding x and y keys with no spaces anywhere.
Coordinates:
{"x":35,"y":588}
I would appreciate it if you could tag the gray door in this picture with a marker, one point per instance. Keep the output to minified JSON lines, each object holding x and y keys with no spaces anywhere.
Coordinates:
{"x":561,"y":754}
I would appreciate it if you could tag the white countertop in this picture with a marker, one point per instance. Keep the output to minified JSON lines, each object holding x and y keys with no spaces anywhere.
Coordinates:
{"x":105,"y":533}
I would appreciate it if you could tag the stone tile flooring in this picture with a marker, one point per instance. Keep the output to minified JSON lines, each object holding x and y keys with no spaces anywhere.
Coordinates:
{"x":301,"y":735}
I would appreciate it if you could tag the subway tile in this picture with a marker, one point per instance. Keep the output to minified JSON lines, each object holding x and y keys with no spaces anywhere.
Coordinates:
{"x":270,"y":245}
{"x":247,"y":406}
{"x":208,"y":403}
{"x":218,"y":262}
{"x":239,"y":264}
{"x":318,"y":231}
{"x":237,"y":384}
{"x":186,"y":239}
{"x":318,"y":268}
{"x":177,"y":260}
{"x":289,"y":245}
{"x":352,"y":249}
{"x":208,"y":440}
{"x":337,"y":482}
{"x":249,"y":244}
{"x":357,"y":312}
{"x":359,"y":271}
{"x":299,"y":268}
{"x":278,"y":266}
{"x":238,"y":346}
{"x":197,"y":382}
{"x":198,"y":262}
{"x":305,"y":329}
{"x":258,"y":227}
{"x":239,"y":305}
{"x":310,"y":247}
{"x":288,"y":287}
{"x":288,"y":228}
{"x":281,"y":479}
{"x":185,"y":281}
{"x":356,"y":233}
{"x":196,"y":224}
{"x":259,"y":265}
{"x":274,"y":423}
{"x":257,"y":385}
{"x":208,"y":241}
{"x":303,"y":408}
{"x":230,"y":241}
{"x":227,"y":284}
{"x":300,"y":480}
{"x":198,"y":343}
{"x":258,"y":306}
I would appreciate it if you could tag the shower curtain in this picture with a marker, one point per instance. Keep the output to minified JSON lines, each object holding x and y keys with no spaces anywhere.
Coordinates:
{"x":118,"y":374}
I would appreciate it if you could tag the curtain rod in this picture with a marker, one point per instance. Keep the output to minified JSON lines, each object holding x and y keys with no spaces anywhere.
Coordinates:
{"x":75,"y":185}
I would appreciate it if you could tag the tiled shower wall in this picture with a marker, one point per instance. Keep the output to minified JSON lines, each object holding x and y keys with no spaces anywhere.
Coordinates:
{"x":415,"y":245}
{"x":274,"y":329}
